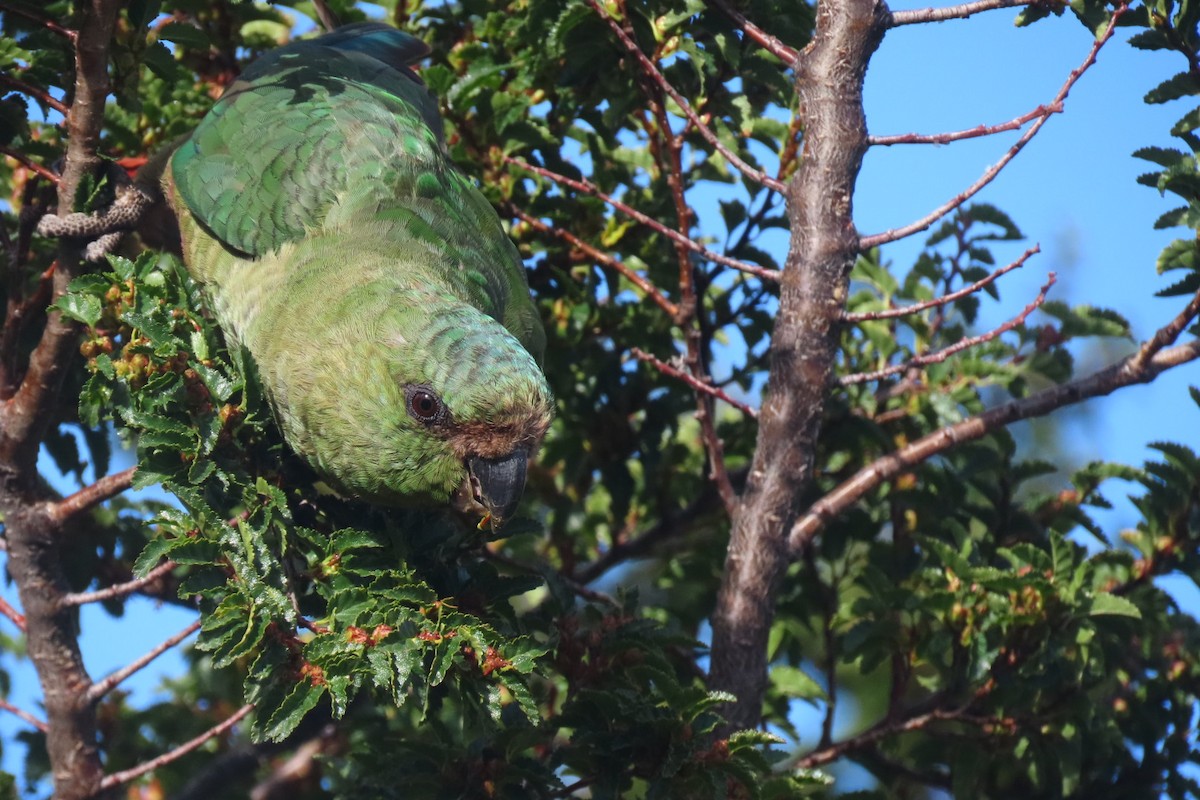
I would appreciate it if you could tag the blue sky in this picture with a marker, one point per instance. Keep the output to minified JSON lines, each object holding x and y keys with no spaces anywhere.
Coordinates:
{"x":1072,"y":190}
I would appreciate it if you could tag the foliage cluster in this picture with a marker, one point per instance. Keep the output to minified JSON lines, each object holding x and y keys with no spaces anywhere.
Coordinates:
{"x":989,"y":652}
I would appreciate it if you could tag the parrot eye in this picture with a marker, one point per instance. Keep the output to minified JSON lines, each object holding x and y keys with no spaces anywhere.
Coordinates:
{"x":423,"y":405}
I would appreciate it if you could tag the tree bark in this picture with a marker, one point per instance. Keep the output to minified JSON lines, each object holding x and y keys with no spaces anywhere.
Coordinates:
{"x":823,"y":248}
{"x":33,"y":533}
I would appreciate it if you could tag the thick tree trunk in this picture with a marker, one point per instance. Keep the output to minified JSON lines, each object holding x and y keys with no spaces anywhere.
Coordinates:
{"x":824,"y":245}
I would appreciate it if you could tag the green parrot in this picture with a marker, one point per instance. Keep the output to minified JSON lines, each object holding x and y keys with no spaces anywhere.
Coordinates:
{"x":386,"y":309}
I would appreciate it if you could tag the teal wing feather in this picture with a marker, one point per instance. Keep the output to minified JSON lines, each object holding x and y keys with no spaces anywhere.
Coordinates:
{"x":278,"y":148}
{"x":338,"y":133}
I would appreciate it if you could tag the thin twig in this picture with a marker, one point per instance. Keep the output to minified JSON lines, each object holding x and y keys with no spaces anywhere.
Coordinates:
{"x":48,"y":24}
{"x":575,"y":586}
{"x":919,"y":15}
{"x":22,"y":714}
{"x":1137,"y":368}
{"x":328,"y":19}
{"x":969,"y":133}
{"x":1166,"y":335}
{"x":939,"y":356}
{"x":706,"y":133}
{"x":118,"y":778}
{"x":39,"y":94}
{"x":14,"y":616}
{"x":991,"y":172}
{"x":25,"y":161}
{"x":882,"y":730}
{"x":89,"y":497}
{"x":650,"y":290}
{"x":771,"y":44}
{"x":101,"y":688}
{"x":690,"y":380}
{"x":674,"y":235}
{"x":893,"y":313}
{"x":118,"y":589}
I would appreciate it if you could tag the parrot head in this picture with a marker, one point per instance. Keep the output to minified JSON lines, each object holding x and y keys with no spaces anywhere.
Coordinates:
{"x":430,"y":401}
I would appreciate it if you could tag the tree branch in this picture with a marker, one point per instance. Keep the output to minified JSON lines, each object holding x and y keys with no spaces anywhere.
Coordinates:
{"x":119,"y":589}
{"x":963,"y":344}
{"x":101,"y":688}
{"x":771,"y":44}
{"x":991,"y":172}
{"x":690,"y":380}
{"x":893,"y":313}
{"x":48,"y":24}
{"x":652,"y":72}
{"x":118,"y":778}
{"x":22,"y":714}
{"x":14,"y":616}
{"x":41,"y":95}
{"x":91,"y":496}
{"x":29,"y":163}
{"x":919,"y":15}
{"x":650,"y":290}
{"x":1142,"y":367}
{"x":653,"y":224}
{"x":970,"y":133}
{"x":824,"y":246}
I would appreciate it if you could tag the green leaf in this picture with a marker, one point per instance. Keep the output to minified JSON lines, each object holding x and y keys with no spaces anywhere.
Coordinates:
{"x":1106,"y":604}
{"x":795,"y":682}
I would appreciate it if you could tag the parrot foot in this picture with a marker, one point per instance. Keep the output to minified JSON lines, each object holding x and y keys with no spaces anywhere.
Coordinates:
{"x":102,"y":230}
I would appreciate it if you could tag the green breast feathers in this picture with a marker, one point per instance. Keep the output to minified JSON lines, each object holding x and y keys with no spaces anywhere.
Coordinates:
{"x":374,"y":286}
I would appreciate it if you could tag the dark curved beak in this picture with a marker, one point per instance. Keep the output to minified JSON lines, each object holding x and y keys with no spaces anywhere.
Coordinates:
{"x":498,"y":483}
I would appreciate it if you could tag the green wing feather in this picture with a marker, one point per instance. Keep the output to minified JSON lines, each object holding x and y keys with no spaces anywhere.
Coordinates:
{"x":353,"y":138}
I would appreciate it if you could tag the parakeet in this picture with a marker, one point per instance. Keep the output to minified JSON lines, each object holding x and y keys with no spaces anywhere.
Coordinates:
{"x":386,"y":309}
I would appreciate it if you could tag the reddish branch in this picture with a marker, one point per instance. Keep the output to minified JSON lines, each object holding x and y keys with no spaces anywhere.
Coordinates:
{"x":119,"y":589}
{"x":39,"y":94}
{"x":990,"y":174}
{"x":22,"y":714}
{"x":91,"y":496}
{"x":101,"y":688}
{"x":823,"y":247}
{"x":651,"y":71}
{"x":970,"y":133}
{"x":893,"y":313}
{"x":14,"y":616}
{"x":919,"y":15}
{"x":1152,"y":358}
{"x":118,"y":778}
{"x":48,"y":24}
{"x":771,"y":44}
{"x":698,"y":385}
{"x":29,"y":163}
{"x":600,"y":257}
{"x":674,"y":235}
{"x":939,"y":356}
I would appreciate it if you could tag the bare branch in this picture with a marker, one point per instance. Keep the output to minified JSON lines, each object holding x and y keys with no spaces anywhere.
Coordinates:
{"x":91,"y":496}
{"x":650,"y":290}
{"x":919,"y":15}
{"x":970,"y":133}
{"x":652,"y":71}
{"x":22,"y":714}
{"x":700,"y":386}
{"x":941,"y":355}
{"x":118,"y":778}
{"x":574,"y":585}
{"x":48,"y":24}
{"x":101,"y":688}
{"x":329,"y":20}
{"x":1137,"y":368}
{"x":14,"y":616}
{"x":674,"y":235}
{"x":893,"y":313}
{"x":771,"y":44}
{"x":119,"y":589}
{"x":877,"y":732}
{"x":991,"y":172}
{"x":41,"y":95}
{"x":25,"y":161}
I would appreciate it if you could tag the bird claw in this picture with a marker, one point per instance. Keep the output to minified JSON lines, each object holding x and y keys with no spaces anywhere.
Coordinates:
{"x":102,"y":230}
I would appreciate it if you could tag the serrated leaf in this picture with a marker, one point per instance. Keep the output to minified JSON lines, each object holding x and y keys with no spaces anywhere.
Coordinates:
{"x":795,"y":682}
{"x":1106,"y":604}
